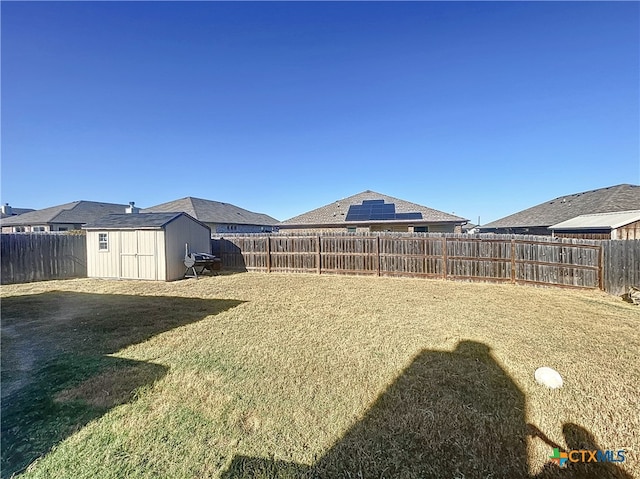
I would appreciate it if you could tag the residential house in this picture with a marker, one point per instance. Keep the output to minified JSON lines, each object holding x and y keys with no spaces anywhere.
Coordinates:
{"x":369,"y":212}
{"x":220,"y":217}
{"x":470,"y":228}
{"x":70,"y":216}
{"x":7,"y":211}
{"x":538,"y":219}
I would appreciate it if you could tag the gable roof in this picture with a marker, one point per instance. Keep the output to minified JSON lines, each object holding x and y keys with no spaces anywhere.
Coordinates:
{"x":209,"y":211}
{"x":77,"y":212}
{"x":136,"y":221}
{"x":599,"y":221}
{"x":613,"y":198}
{"x":336,"y":213}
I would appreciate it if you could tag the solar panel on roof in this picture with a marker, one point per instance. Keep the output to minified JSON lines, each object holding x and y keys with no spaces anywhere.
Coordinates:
{"x":378,"y":210}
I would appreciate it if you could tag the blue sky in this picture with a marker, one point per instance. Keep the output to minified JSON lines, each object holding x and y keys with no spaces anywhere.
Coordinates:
{"x":480,"y":108}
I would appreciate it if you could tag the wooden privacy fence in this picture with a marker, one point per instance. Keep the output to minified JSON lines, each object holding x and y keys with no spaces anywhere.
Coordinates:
{"x":39,"y":256}
{"x":621,"y":265}
{"x":609,"y":265}
{"x":515,"y":259}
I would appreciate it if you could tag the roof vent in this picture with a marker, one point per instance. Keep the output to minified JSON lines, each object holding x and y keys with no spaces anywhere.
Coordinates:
{"x":131,"y":209}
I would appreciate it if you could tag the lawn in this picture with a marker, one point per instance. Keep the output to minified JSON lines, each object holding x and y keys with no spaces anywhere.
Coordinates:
{"x":256,"y":375}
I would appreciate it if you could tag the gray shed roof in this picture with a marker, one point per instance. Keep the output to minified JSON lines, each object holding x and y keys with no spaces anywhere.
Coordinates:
{"x":77,"y":212}
{"x":613,"y":198}
{"x":599,"y":221}
{"x":335,"y":213}
{"x":136,"y":221}
{"x":209,"y":211}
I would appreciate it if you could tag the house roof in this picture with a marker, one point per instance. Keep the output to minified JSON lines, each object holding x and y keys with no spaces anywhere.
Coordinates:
{"x":611,"y":199}
{"x":136,"y":221}
{"x":77,"y":212}
{"x":209,"y":211}
{"x":17,"y":212}
{"x":599,"y":221}
{"x":336,"y":213}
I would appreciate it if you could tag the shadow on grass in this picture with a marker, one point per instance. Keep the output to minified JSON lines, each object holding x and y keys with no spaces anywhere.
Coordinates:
{"x":231,"y":255}
{"x":449,"y":415}
{"x":56,"y":372}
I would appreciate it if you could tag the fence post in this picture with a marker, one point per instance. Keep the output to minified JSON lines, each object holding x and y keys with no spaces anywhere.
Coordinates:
{"x":268,"y":248}
{"x":444,"y":257}
{"x":318,"y":255}
{"x":513,"y":261}
{"x":600,"y":267}
{"x":378,"y":255}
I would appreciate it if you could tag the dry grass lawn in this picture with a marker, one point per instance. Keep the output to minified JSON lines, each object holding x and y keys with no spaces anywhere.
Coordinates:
{"x":255,"y":375}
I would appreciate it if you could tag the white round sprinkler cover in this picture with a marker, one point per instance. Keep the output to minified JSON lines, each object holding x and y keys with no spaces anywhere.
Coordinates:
{"x":548,"y":377}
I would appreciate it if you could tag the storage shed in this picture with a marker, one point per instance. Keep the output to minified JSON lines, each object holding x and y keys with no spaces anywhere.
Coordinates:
{"x":619,"y":225}
{"x":148,"y":246}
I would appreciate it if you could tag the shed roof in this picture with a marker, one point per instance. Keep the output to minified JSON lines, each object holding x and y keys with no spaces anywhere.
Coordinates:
{"x":604,"y":200}
{"x":135,"y":221}
{"x":336,"y":213}
{"x":77,"y":212}
{"x":209,"y":211}
{"x":599,"y":221}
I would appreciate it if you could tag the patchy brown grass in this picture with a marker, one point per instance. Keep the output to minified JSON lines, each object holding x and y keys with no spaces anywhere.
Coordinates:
{"x":110,"y":388}
{"x":328,"y":376}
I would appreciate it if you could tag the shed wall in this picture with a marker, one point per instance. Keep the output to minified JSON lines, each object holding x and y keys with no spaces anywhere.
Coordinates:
{"x":180,"y":231}
{"x":131,"y":254}
{"x":103,"y":263}
{"x":627,"y":232}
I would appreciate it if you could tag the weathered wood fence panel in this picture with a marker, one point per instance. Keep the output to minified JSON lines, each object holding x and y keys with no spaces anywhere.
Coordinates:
{"x":611,"y":265}
{"x":621,"y":266}
{"x":41,"y":256}
{"x":507,"y":258}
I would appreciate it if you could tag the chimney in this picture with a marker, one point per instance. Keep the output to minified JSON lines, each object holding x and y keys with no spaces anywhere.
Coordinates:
{"x":6,"y":209}
{"x":131,"y":209}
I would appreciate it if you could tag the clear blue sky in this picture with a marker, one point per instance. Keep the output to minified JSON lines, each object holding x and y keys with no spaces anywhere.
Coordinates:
{"x":481,"y":108}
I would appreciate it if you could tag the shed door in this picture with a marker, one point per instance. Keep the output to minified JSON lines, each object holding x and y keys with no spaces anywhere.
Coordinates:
{"x":138,"y":255}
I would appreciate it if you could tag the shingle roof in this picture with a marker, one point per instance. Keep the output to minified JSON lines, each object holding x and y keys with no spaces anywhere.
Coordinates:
{"x":335,"y":213}
{"x":77,"y":212}
{"x":17,"y":212}
{"x":209,"y":211}
{"x":613,"y":198}
{"x":135,"y":221}
{"x":599,"y":221}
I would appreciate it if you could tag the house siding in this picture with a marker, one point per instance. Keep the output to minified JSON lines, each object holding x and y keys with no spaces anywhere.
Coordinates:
{"x":376,"y":227}
{"x":221,"y":228}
